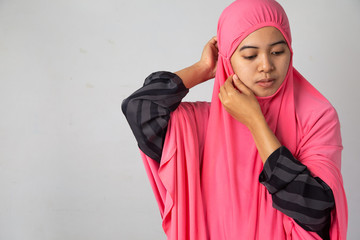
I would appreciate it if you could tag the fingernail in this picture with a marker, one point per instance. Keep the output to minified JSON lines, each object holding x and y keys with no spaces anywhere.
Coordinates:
{"x":235,"y":77}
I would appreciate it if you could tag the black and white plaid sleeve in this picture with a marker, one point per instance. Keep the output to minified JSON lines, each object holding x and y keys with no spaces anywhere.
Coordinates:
{"x":296,"y":193}
{"x":148,"y":110}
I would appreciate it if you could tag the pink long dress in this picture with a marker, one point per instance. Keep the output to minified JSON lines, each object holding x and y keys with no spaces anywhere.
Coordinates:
{"x":207,"y":185}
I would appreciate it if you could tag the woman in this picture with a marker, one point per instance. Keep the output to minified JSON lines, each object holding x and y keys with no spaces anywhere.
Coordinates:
{"x":262,"y":160}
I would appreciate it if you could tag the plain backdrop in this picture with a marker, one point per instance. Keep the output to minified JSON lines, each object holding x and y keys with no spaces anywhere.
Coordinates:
{"x":69,"y":165}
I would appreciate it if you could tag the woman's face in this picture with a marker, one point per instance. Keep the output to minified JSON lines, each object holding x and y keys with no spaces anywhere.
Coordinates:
{"x":261,"y":61}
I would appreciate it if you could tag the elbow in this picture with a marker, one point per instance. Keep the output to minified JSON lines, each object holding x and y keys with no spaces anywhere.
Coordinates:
{"x":124,"y":105}
{"x":129,"y":107}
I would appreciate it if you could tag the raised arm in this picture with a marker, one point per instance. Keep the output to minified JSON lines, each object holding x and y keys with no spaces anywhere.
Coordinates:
{"x":148,"y":109}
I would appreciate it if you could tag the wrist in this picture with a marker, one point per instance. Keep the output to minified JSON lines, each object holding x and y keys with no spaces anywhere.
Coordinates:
{"x":203,"y":70}
{"x":258,"y":123}
{"x":265,"y":139}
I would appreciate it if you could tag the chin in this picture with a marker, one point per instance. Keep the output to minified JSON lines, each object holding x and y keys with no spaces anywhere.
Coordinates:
{"x":265,"y":93}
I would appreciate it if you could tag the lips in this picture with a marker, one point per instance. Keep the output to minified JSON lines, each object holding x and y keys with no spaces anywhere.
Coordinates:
{"x":267,"y":82}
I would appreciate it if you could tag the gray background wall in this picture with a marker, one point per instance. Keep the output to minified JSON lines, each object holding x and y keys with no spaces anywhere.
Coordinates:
{"x":69,"y":165}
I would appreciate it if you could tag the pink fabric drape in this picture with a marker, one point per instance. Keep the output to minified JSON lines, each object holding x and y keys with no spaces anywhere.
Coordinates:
{"x":207,"y":183}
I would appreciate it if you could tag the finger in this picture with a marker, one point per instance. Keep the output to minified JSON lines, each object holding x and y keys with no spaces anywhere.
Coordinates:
{"x":223,"y":91}
{"x":213,"y":43}
{"x":213,"y":40}
{"x":220,"y":97}
{"x":228,"y":85}
{"x":240,"y":85}
{"x":214,"y":46}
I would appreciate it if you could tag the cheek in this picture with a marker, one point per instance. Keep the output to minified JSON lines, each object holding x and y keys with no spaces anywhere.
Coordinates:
{"x":284,"y":65}
{"x":242,"y":70}
{"x":247,"y":74}
{"x":236,"y":62}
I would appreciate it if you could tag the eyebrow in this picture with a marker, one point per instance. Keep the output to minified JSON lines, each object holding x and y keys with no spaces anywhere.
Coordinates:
{"x":272,"y":44}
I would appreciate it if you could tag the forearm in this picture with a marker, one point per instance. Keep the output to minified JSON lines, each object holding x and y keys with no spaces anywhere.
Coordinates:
{"x":193,"y":75}
{"x":265,"y":140}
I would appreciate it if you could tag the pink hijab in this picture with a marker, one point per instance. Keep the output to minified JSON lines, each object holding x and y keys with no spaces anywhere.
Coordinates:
{"x":207,"y":185}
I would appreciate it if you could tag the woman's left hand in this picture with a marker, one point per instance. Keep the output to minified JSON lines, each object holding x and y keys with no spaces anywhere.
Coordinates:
{"x":240,"y":102}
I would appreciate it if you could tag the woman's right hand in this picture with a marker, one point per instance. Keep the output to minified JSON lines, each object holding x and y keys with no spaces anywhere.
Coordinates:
{"x":204,"y":69}
{"x":209,"y":57}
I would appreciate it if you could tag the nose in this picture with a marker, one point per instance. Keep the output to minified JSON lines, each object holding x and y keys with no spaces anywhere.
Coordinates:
{"x":266,"y":65}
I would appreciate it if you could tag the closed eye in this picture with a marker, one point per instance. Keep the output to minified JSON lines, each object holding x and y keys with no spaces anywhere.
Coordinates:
{"x":249,"y":57}
{"x":277,"y":53}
